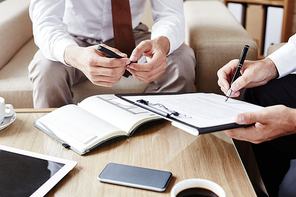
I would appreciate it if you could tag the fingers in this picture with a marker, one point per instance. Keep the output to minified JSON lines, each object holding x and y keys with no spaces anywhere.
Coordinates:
{"x":104,"y":76}
{"x":156,"y":61}
{"x":247,"y":78}
{"x":110,"y":62}
{"x":225,"y":75}
{"x":141,"y":49}
{"x":150,"y":71}
{"x":150,"y":48}
{"x":249,"y":118}
{"x":254,"y":131}
{"x":264,"y":125}
{"x":112,"y":49}
{"x":98,"y":58}
{"x":147,"y":72}
{"x":249,"y":134}
{"x":96,"y":67}
{"x":244,"y":80}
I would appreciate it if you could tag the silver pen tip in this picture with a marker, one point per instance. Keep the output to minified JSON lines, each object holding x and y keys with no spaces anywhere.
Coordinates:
{"x":228,"y":94}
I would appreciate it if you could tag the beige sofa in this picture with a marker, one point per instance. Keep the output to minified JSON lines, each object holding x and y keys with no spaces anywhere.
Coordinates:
{"x":212,"y":32}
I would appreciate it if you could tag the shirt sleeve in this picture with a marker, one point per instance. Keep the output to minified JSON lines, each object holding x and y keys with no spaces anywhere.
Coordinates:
{"x":285,"y":57}
{"x":50,"y":33}
{"x":168,"y":21}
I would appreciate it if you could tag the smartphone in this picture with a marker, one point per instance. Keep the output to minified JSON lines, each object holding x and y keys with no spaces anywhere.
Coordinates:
{"x":137,"y":177}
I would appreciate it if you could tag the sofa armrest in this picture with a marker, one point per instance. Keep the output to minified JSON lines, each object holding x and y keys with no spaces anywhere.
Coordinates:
{"x":274,"y":47}
{"x":216,"y":38}
{"x":15,"y":28}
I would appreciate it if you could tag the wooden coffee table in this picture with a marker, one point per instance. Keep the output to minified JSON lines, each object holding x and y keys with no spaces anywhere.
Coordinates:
{"x":156,"y":145}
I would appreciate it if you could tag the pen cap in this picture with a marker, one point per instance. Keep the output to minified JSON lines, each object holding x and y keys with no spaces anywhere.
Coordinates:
{"x":244,"y":53}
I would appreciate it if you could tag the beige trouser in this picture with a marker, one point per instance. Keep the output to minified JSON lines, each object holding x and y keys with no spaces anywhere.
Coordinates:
{"x":52,"y":81}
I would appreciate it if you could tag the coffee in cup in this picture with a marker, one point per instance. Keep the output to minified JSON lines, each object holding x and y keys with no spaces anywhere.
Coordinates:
{"x":197,"y":188}
{"x":6,"y":110}
{"x":195,"y":192}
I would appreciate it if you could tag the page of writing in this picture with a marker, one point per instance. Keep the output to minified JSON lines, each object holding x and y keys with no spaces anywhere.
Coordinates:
{"x":77,"y":127}
{"x":201,"y":109}
{"x":120,"y":113}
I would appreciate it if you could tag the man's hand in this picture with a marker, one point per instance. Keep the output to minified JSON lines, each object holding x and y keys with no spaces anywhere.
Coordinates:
{"x":269,"y":123}
{"x":94,"y":64}
{"x":253,"y":74}
{"x":155,"y":51}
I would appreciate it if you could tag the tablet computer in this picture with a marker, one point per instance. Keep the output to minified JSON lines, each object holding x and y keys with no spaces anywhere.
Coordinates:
{"x":24,"y":173}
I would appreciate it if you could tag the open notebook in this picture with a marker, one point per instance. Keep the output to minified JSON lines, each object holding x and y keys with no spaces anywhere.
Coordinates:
{"x":95,"y":120}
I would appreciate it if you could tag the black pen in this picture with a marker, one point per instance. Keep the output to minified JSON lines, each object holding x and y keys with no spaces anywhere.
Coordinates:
{"x":239,"y":66}
{"x":110,"y":53}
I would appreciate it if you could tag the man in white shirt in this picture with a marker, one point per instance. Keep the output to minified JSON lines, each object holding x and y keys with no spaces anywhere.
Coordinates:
{"x":273,"y":129}
{"x":67,"y":33}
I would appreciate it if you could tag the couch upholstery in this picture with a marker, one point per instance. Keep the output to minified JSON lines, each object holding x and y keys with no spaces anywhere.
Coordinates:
{"x":212,"y":32}
{"x":216,"y":37}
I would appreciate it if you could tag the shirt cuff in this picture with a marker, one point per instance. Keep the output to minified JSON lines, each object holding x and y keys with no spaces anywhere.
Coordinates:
{"x":175,"y":38}
{"x":174,"y":44}
{"x":60,"y":47}
{"x":284,"y":59}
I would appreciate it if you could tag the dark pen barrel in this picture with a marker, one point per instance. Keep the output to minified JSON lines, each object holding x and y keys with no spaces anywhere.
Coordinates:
{"x":240,"y":63}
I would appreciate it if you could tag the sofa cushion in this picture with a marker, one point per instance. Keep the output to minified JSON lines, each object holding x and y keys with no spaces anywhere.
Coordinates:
{"x":216,"y":38}
{"x":15,"y":28}
{"x":15,"y":85}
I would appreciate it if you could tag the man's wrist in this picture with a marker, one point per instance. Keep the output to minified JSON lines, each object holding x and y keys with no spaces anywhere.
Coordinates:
{"x":293,"y":117}
{"x":69,"y":54}
{"x":273,"y":72}
{"x":165,"y":43}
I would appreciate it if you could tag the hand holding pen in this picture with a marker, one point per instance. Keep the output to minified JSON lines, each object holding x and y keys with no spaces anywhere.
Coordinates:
{"x":111,"y":54}
{"x":237,"y":72}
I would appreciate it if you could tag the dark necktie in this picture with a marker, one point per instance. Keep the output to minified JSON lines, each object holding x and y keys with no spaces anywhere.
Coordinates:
{"x":122,"y":27}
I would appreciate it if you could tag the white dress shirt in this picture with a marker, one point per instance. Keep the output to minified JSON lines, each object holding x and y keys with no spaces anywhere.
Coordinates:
{"x":285,"y":57}
{"x":54,"y":21}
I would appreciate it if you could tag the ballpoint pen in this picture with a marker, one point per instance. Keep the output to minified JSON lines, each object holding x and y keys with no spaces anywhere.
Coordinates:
{"x":239,"y":66}
{"x":110,"y":53}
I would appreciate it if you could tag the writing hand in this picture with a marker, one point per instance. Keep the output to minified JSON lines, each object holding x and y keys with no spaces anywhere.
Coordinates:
{"x":99,"y":69}
{"x":155,"y":51}
{"x":253,"y":74}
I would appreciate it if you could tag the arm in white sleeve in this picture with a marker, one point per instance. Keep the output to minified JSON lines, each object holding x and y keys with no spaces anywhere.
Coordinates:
{"x":50,"y":33}
{"x":168,"y":21}
{"x":285,"y":57}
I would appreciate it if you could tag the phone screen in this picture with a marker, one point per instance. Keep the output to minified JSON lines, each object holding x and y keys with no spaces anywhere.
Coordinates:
{"x":138,"y":177}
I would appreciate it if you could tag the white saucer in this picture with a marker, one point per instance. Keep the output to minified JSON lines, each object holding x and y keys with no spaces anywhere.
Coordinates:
{"x":7,"y":121}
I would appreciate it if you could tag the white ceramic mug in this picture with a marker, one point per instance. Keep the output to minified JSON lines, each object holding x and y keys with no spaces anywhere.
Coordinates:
{"x":6,"y":110}
{"x":198,"y":183}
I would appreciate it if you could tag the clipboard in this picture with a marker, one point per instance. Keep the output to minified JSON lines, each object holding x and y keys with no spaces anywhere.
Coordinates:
{"x":193,"y":127}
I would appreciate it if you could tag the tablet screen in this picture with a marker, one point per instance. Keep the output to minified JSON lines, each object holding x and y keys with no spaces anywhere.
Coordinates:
{"x":23,"y":173}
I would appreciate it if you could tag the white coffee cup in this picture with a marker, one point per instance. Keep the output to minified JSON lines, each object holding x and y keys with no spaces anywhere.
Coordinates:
{"x":197,"y":183}
{"x":6,"y":110}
